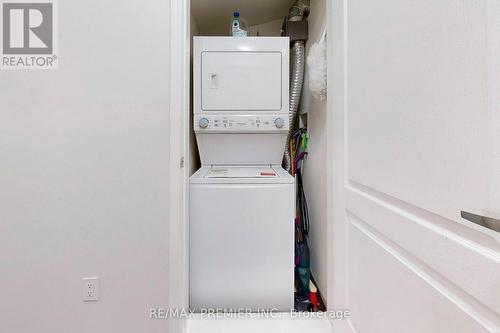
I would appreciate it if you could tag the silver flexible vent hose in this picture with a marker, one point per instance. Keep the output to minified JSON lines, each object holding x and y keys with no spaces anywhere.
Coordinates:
{"x":299,"y":10}
{"x":296,"y":82}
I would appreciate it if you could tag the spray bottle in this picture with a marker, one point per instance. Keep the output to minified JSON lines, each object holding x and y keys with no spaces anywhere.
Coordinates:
{"x":238,"y":26}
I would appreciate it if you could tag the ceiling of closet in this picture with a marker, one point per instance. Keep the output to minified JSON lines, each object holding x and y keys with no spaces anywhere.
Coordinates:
{"x":213,"y":16}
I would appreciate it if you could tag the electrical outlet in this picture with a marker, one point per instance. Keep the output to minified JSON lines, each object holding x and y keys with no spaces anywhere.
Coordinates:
{"x":90,"y":289}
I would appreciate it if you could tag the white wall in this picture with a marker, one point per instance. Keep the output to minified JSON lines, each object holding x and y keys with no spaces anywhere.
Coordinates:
{"x":315,"y":166}
{"x":271,"y":28}
{"x":84,"y":174}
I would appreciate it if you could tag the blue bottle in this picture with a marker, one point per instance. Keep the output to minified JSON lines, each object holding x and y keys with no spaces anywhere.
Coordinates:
{"x":238,"y":26}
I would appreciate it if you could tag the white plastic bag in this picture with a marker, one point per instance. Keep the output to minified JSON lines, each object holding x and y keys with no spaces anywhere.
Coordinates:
{"x":316,"y":69}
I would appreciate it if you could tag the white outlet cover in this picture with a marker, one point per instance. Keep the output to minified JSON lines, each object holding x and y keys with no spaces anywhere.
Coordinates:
{"x":90,"y":289}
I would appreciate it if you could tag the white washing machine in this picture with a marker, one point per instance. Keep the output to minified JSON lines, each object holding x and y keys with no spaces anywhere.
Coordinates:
{"x":242,"y":236}
{"x":242,"y":203}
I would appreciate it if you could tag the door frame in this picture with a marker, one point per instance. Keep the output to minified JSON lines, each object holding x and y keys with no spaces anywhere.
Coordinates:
{"x":178,"y":263}
{"x":178,"y":237}
{"x":337,"y":23}
{"x":336,"y":159}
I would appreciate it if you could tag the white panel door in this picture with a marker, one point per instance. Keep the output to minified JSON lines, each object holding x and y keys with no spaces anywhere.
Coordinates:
{"x":417,"y":140}
{"x":234,"y":81}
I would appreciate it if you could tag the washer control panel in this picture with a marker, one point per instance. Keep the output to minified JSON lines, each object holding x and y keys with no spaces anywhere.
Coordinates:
{"x":240,"y":123}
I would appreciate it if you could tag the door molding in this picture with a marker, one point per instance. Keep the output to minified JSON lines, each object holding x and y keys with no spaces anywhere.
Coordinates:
{"x":178,"y":264}
{"x":337,"y":107}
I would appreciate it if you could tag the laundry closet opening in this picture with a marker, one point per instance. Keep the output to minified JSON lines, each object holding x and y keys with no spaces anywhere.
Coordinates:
{"x":257,"y":156}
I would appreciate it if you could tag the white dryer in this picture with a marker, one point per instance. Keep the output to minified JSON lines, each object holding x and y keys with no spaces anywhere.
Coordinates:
{"x":242,"y":203}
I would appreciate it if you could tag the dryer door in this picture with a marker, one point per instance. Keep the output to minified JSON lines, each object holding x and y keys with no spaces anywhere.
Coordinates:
{"x":240,"y":81}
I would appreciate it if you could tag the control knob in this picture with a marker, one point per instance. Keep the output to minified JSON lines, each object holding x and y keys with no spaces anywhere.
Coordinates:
{"x":279,"y":122}
{"x":203,"y":123}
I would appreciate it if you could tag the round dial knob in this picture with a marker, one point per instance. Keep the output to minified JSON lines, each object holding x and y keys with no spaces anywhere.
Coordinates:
{"x":279,"y":122}
{"x":203,"y":123}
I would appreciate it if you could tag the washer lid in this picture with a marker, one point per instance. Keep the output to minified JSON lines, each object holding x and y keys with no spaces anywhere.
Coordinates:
{"x":245,"y":172}
{"x":239,"y":174}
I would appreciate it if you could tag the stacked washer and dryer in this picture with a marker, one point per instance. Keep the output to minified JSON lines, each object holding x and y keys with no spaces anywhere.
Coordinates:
{"x":242,"y":202}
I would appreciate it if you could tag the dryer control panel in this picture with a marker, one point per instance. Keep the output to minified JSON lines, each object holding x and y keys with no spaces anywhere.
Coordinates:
{"x":241,"y":123}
